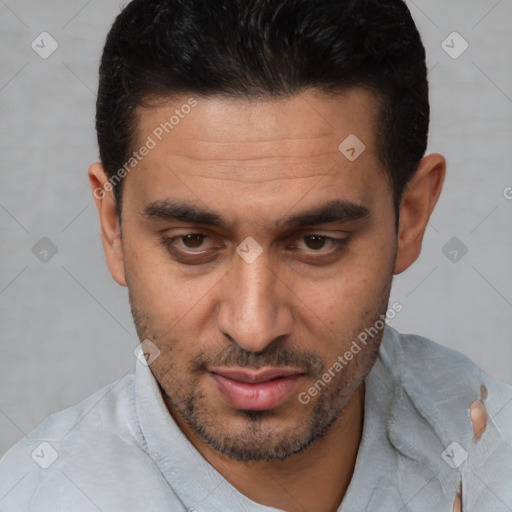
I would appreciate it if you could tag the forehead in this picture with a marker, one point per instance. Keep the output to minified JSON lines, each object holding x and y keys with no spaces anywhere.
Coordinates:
{"x":207,"y":148}
{"x":231,"y":128}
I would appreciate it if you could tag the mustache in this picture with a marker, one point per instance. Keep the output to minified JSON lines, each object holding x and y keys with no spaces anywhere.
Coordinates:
{"x":274,"y":355}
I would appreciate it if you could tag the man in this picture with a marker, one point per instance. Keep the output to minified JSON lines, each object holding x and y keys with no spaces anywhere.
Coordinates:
{"x":262,"y":179}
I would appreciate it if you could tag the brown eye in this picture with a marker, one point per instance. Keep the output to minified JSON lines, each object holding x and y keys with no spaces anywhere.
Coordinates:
{"x":193,"y":241}
{"x":191,"y":248}
{"x":318,"y":247}
{"x":315,"y":242}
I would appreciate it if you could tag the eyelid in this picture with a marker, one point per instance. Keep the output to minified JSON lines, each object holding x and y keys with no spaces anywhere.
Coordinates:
{"x":336,"y":242}
{"x":170,"y":240}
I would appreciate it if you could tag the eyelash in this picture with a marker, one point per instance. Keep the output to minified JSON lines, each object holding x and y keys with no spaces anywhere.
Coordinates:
{"x":180,"y":255}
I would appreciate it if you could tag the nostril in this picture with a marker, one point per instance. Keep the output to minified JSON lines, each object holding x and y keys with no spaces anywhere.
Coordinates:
{"x":478,"y":415}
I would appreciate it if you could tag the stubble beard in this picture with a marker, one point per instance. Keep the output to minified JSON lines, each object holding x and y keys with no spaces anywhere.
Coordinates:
{"x":254,"y":439}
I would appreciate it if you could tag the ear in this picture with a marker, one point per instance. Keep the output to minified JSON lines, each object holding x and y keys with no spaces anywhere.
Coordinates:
{"x":109,"y":221}
{"x":418,"y":201}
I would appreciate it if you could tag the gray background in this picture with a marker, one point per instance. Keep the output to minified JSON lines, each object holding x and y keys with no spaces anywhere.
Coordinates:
{"x":66,"y":326}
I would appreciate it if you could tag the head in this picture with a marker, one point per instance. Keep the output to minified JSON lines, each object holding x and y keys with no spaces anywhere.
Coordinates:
{"x":262,"y":179}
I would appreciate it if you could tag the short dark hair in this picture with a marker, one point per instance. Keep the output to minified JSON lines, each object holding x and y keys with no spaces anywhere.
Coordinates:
{"x":266,"y":49}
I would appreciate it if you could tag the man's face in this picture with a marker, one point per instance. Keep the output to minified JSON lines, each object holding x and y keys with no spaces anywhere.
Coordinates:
{"x":242,"y":334}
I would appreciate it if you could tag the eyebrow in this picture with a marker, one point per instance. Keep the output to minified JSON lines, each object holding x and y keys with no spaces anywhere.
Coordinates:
{"x":338,"y":210}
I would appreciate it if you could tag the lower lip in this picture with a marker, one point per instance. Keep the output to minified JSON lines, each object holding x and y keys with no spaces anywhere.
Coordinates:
{"x":256,"y":397}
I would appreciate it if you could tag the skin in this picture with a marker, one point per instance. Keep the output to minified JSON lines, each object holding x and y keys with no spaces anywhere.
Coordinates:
{"x":302,"y":300}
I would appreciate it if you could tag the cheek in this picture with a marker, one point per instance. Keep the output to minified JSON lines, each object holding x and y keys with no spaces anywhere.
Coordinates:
{"x":357,"y":288}
{"x":166,"y":298}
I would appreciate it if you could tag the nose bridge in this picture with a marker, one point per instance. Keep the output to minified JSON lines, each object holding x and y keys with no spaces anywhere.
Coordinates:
{"x":253,"y":311}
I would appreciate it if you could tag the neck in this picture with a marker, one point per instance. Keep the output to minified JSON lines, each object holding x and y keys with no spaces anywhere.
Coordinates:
{"x":315,"y":479}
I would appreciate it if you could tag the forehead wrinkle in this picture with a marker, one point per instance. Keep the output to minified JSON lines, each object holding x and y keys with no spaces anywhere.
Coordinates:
{"x":238,"y":153}
{"x":269,"y":180}
{"x":146,"y":125}
{"x":219,"y":142}
{"x":269,"y":168}
{"x":256,"y":159}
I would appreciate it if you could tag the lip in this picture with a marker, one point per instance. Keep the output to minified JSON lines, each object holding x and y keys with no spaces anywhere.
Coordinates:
{"x":256,"y":390}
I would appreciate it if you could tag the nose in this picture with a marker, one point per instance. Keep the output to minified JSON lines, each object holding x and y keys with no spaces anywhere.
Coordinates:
{"x":255,"y":306}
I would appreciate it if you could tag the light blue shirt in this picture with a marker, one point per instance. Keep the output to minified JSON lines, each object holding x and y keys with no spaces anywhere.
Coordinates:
{"x":121,"y":451}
